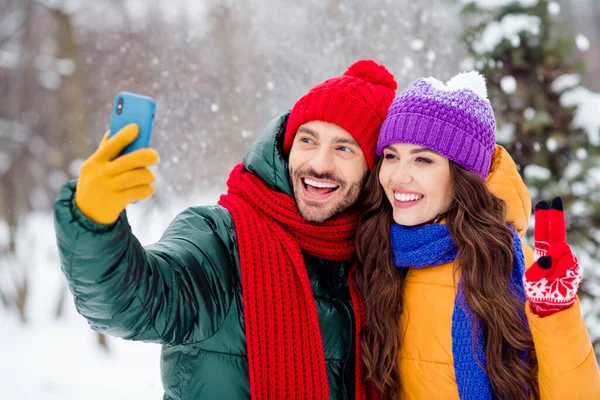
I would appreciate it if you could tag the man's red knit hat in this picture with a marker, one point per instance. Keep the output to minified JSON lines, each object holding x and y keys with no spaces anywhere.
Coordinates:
{"x":357,"y":101}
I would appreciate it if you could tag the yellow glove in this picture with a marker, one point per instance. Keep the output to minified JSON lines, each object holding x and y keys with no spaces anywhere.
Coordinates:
{"x":107,"y":184}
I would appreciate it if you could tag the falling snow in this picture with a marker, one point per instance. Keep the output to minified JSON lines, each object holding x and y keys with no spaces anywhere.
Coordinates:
{"x":508,"y":84}
{"x":582,"y":42}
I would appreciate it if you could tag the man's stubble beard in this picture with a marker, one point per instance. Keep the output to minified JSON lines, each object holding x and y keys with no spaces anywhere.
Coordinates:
{"x":316,"y":213}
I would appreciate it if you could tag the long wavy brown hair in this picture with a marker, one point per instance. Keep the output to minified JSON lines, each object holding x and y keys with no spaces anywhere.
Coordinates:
{"x":476,"y":222}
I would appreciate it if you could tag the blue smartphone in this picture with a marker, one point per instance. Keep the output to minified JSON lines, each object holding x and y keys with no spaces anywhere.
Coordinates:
{"x":129,"y":108}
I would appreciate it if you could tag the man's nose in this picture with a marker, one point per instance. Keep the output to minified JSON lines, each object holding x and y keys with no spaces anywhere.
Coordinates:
{"x":323,"y":161}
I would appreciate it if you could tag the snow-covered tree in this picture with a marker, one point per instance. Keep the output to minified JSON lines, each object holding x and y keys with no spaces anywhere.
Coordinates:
{"x":547,"y":120}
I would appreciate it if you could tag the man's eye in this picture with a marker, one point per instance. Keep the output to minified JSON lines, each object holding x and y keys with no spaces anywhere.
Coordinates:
{"x":345,"y":149}
{"x":307,"y":140}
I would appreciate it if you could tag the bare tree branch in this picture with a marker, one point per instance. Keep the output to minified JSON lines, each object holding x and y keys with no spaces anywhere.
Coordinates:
{"x":11,"y":25}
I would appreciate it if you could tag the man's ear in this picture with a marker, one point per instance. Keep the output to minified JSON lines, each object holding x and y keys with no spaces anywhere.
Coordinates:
{"x":279,"y":136}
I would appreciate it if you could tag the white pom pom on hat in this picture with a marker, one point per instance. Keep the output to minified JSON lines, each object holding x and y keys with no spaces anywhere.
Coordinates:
{"x":471,"y":80}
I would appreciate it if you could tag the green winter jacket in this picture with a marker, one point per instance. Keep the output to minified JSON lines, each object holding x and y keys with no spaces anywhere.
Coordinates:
{"x":185,"y":292}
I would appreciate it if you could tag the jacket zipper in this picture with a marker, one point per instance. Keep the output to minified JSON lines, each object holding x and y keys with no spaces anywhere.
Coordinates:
{"x":350,"y":350}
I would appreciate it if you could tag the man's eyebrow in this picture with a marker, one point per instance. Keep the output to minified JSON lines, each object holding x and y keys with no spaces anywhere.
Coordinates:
{"x":337,"y":140}
{"x":351,"y":141}
{"x":310,"y":132}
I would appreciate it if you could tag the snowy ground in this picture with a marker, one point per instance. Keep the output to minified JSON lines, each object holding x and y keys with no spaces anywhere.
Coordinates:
{"x":50,"y":359}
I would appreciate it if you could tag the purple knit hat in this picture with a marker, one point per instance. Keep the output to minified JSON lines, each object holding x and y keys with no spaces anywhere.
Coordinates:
{"x":455,"y":119}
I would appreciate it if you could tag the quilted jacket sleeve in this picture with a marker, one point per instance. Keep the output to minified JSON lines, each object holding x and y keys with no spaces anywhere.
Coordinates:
{"x":175,"y":291}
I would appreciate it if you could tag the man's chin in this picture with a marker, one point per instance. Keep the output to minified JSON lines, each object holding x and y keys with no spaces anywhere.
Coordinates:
{"x":321,"y":211}
{"x":314,"y":214}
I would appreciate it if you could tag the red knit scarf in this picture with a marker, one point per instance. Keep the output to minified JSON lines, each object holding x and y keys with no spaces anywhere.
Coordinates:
{"x":285,"y":350}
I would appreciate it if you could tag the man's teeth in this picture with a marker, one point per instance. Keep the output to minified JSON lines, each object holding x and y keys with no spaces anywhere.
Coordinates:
{"x":320,"y":184}
{"x":407,"y":197}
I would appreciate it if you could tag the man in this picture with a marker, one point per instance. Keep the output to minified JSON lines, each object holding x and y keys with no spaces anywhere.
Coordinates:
{"x":249,"y":298}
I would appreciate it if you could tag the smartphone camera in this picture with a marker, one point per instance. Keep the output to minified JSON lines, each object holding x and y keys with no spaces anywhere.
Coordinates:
{"x":120,"y":106}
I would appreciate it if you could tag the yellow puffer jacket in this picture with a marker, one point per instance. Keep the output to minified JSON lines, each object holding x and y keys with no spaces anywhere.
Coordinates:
{"x":567,"y":365}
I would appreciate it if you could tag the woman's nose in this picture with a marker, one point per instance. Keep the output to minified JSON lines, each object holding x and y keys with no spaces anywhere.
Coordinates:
{"x":402,"y":175}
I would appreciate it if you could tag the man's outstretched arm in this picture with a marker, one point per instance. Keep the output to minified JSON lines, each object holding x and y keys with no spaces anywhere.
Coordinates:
{"x":174,"y":291}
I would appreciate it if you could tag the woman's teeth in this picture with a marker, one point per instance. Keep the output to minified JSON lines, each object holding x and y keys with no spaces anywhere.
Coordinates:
{"x":404,"y":197}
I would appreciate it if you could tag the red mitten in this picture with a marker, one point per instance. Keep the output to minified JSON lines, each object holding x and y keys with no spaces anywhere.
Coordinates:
{"x":551,"y":282}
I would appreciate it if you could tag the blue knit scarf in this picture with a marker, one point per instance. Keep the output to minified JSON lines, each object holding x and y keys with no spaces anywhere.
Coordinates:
{"x":431,"y":245}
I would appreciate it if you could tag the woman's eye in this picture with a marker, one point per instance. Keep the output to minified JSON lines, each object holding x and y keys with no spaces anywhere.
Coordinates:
{"x":424,"y":160}
{"x":389,"y":156}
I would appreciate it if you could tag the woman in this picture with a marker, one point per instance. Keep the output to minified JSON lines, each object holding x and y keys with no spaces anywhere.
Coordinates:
{"x":450,"y":311}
